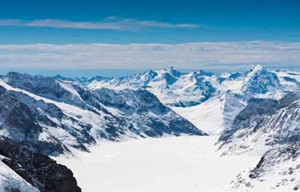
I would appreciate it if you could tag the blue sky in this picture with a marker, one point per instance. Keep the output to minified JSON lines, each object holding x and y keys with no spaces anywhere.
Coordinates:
{"x":270,"y":30}
{"x":218,"y":20}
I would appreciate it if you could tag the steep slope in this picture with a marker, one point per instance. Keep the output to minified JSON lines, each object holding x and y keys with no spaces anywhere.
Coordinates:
{"x":40,"y":124}
{"x":264,"y":123}
{"x":11,"y":181}
{"x":257,"y":82}
{"x":289,"y":79}
{"x":39,"y":170}
{"x":270,"y":128}
{"x":46,"y":87}
{"x":277,"y":170}
{"x":216,"y":114}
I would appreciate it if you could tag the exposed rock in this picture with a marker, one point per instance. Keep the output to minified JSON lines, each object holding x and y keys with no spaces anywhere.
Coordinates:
{"x":37,"y":169}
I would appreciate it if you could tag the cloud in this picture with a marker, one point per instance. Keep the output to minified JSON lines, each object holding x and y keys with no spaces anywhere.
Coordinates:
{"x":110,"y":23}
{"x":145,"y":56}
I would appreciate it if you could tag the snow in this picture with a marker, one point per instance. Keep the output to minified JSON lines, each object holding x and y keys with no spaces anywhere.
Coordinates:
{"x":11,"y":181}
{"x":183,"y":89}
{"x":279,"y":171}
{"x":207,"y":116}
{"x":177,"y":164}
{"x":76,"y":112}
{"x":213,"y":115}
{"x":70,"y":89}
{"x":170,"y":164}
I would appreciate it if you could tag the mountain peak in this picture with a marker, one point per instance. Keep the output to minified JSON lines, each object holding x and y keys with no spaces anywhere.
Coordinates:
{"x":256,"y":68}
{"x":173,"y":71}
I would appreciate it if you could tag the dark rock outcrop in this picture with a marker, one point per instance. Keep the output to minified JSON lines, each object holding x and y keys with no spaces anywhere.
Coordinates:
{"x":37,"y":169}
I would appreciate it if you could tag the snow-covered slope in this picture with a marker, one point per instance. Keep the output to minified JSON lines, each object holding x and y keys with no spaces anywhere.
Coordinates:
{"x":216,"y":114}
{"x":270,"y":128}
{"x":11,"y":181}
{"x":278,"y":170}
{"x":263,"y":124}
{"x":289,"y":79}
{"x":257,"y":82}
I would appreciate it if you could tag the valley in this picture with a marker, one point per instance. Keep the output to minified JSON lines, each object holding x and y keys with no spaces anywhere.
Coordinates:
{"x":176,"y":164}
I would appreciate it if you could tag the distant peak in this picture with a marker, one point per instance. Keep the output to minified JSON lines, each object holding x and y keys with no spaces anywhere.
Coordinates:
{"x":12,"y":73}
{"x":173,"y":71}
{"x":17,"y":75}
{"x":60,"y":77}
{"x":256,"y":68}
{"x":203,"y":73}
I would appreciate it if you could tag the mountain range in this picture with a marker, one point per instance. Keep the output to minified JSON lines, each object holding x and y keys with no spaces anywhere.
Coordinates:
{"x":256,"y":111}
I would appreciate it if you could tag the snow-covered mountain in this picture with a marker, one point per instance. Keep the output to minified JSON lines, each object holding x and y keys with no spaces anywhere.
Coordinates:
{"x":181,"y":89}
{"x":169,"y":85}
{"x":52,"y":117}
{"x":270,"y":128}
{"x":45,"y":116}
{"x":253,"y":82}
{"x":263,"y":124}
{"x":255,"y":113}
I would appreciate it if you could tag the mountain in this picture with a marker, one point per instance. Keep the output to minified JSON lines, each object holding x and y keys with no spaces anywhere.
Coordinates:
{"x":172,"y":87}
{"x":52,"y":117}
{"x":257,"y":82}
{"x":175,"y":88}
{"x":264,"y":123}
{"x":217,"y":113}
{"x":288,"y":79}
{"x":253,"y":112}
{"x":43,"y":116}
{"x":196,"y":95}
{"x":270,"y":128}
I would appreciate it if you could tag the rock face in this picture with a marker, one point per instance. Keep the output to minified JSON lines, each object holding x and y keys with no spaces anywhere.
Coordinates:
{"x":140,"y":112}
{"x":39,"y":170}
{"x":276,"y":156}
{"x":255,"y":82}
{"x":264,"y":123}
{"x":279,"y":169}
{"x":46,"y":87}
{"x":27,"y":120}
{"x":272,"y":126}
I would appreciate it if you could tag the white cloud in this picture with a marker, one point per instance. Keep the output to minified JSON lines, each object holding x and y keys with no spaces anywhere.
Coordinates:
{"x":142,"y":56}
{"x":110,"y":23}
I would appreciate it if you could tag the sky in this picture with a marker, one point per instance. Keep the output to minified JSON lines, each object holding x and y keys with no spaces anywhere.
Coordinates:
{"x":89,"y":36}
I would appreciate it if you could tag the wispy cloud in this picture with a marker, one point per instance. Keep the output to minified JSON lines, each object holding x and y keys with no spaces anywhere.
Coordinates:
{"x":142,"y":56}
{"x":110,"y":23}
